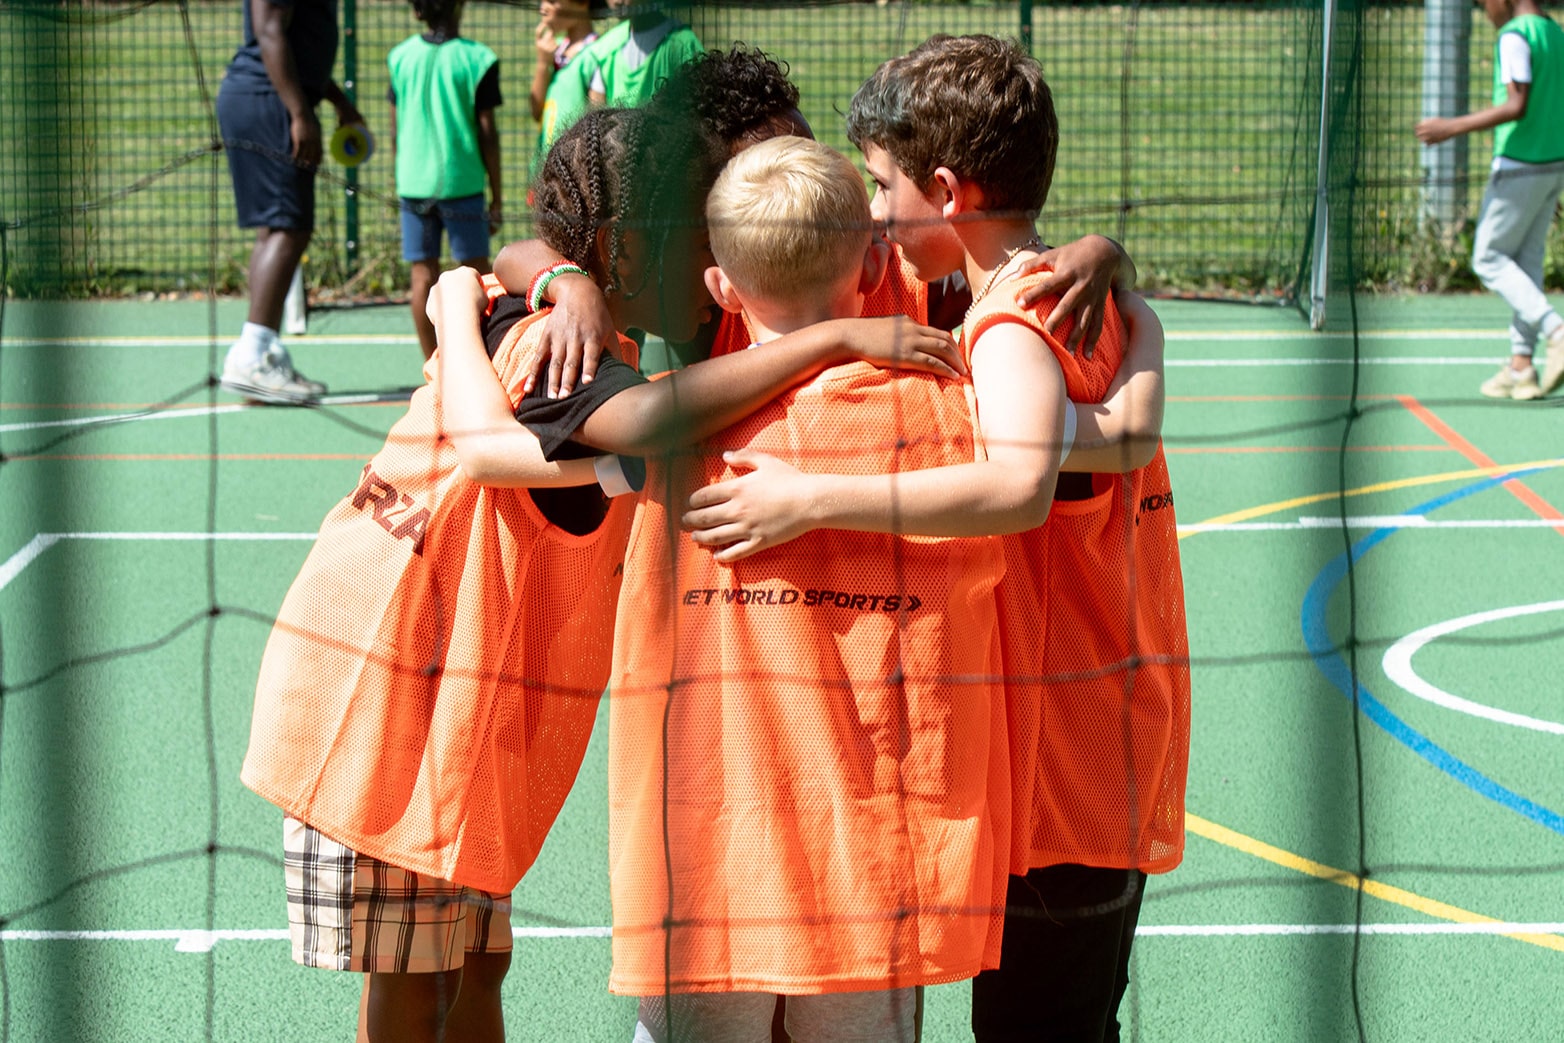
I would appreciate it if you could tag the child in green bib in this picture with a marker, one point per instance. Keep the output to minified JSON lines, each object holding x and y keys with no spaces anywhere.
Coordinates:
{"x":1526,"y":179}
{"x":444,"y":90}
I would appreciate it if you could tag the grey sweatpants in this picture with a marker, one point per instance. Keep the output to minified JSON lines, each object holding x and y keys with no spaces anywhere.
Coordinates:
{"x":1512,"y":235}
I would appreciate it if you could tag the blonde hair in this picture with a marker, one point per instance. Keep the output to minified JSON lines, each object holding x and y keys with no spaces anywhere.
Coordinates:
{"x":789,"y":219}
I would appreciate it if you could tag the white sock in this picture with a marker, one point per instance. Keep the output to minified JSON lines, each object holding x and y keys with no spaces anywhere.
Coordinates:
{"x":253,"y":342}
{"x":1551,"y":322}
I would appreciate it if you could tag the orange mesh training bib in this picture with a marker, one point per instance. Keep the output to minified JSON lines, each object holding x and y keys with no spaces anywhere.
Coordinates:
{"x":427,"y":693}
{"x":811,"y":740}
{"x":901,"y":292}
{"x":1095,"y":650}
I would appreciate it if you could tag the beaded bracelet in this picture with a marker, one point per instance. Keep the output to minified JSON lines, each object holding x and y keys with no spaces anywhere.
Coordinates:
{"x":535,"y":292}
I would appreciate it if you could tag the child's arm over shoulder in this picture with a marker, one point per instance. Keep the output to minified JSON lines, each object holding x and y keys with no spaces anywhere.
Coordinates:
{"x":493,"y":448}
{"x":1122,"y":433}
{"x":627,"y":414}
{"x":1082,"y":273}
{"x":1020,"y":393}
{"x":702,"y":399}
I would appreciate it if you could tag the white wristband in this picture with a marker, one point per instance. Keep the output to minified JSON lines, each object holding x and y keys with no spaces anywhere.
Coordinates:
{"x":615,"y":478}
{"x":1068,"y":441}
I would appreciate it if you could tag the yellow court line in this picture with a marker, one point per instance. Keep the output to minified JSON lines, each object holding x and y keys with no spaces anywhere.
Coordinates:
{"x":1428,"y":906}
{"x":1378,"y":487}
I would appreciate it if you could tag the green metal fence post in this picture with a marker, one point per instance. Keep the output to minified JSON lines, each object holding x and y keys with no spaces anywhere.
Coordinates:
{"x":1025,"y":7}
{"x":350,"y":88}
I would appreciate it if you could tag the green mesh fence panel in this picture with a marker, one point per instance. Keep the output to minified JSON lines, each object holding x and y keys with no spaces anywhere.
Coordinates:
{"x":1190,"y":131}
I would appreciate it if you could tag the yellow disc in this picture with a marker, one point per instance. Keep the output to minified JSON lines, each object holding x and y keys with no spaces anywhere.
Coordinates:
{"x":352,"y":144}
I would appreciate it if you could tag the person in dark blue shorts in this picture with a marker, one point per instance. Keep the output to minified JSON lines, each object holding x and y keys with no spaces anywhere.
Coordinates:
{"x":266,"y":112}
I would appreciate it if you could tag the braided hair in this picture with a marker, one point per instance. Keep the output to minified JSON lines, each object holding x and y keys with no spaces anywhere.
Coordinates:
{"x":622,"y":169}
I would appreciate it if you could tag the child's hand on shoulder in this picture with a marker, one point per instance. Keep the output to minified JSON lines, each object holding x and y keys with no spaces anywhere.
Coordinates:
{"x":577,"y":333}
{"x":1082,"y":275}
{"x":896,"y":342}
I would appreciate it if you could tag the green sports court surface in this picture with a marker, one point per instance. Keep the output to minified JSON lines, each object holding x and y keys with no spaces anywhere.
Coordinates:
{"x":140,"y":884}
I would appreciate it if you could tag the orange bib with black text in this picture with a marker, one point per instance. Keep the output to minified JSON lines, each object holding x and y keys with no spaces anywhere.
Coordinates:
{"x":805,"y":746}
{"x":428,"y":690}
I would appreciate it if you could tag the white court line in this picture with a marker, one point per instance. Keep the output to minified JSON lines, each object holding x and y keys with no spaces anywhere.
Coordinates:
{"x":383,"y":339}
{"x":196,"y":940}
{"x":44,"y":540}
{"x":1381,"y":360}
{"x":1372,"y":521}
{"x":1398,"y":667}
{"x":1252,"y":929}
{"x":199,"y":941}
{"x":177,"y":413}
{"x":334,"y":339}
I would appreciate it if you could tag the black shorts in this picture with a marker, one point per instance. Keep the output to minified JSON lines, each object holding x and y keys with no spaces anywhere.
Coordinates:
{"x":270,"y":190}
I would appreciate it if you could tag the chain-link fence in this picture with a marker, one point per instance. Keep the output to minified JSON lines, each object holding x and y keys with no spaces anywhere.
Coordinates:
{"x":1190,"y":131}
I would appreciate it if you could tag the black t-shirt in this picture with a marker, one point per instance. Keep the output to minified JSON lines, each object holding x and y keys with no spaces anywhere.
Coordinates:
{"x":577,"y":509}
{"x":312,"y":36}
{"x":556,"y":420}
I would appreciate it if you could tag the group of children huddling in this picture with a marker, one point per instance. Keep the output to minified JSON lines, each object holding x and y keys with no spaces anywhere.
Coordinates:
{"x":891,"y":621}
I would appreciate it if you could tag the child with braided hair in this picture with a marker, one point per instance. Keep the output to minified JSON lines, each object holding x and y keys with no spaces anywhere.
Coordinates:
{"x":429,"y":687}
{"x":445,"y":145}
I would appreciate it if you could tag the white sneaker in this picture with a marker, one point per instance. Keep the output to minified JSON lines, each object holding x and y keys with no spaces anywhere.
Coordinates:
{"x":1519,"y":384}
{"x":272,"y":379}
{"x":1553,"y":369}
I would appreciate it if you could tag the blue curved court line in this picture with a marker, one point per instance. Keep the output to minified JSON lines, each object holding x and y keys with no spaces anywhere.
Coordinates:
{"x":1334,"y":666}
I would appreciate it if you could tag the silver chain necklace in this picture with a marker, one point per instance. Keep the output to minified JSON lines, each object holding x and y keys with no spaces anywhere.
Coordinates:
{"x":1010,"y":255}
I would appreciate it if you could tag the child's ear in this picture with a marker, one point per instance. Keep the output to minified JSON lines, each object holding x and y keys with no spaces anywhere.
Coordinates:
{"x":954,"y":195}
{"x":722,"y":290}
{"x":604,"y":244}
{"x":876,"y":262}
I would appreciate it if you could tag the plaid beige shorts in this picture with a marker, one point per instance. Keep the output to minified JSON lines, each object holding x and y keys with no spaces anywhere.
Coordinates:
{"x":352,"y":912}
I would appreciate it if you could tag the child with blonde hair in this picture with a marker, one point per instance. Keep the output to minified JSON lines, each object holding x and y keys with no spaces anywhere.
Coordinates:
{"x":806,"y":746}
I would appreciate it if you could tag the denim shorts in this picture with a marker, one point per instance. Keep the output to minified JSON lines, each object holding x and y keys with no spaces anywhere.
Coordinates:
{"x":465,"y":220}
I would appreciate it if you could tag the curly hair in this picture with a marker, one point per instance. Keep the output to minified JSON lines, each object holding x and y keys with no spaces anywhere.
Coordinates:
{"x":975,"y":104}
{"x":732,"y":92}
{"x":622,"y":169}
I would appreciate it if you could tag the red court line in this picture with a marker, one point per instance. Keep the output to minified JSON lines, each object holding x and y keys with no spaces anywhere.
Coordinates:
{"x":1200,"y":450}
{"x":164,"y":457}
{"x":1542,"y":508}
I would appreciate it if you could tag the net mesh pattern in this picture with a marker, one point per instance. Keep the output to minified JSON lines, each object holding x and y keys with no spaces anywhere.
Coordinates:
{"x":106,"y":190}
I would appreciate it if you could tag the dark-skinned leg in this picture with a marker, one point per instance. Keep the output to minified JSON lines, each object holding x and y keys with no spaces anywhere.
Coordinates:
{"x":477,"y":1015}
{"x":423,"y":276}
{"x":408,"y":1008}
{"x":274,"y":257}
